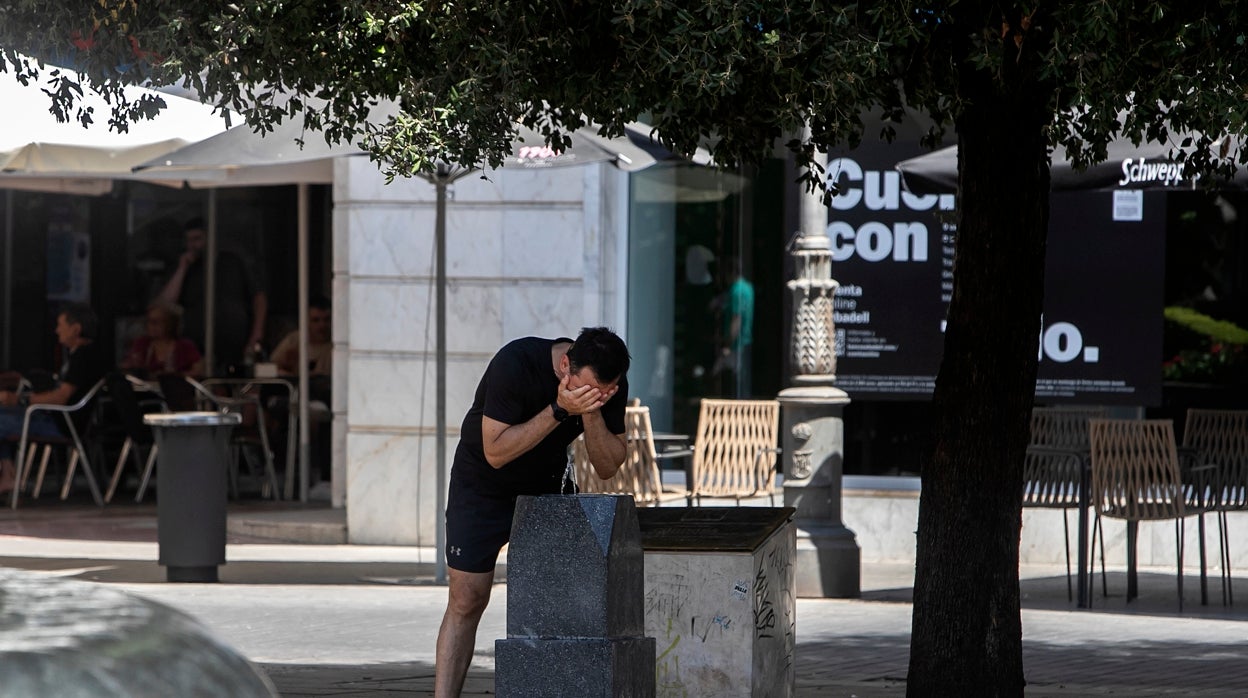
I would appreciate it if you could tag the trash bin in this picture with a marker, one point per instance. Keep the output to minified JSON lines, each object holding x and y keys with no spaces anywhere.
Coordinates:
{"x":721,"y":599}
{"x":193,"y":451}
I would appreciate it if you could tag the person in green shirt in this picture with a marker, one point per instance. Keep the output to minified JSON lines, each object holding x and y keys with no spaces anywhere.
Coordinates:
{"x":737,"y":303}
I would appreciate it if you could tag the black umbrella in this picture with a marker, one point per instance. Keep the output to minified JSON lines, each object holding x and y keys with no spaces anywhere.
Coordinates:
{"x":1127,"y":166}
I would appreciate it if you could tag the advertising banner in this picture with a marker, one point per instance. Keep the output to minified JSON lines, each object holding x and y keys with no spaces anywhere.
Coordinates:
{"x":893,"y":254}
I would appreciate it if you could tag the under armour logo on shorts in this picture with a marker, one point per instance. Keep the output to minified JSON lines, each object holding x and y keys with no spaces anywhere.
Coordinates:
{"x":452,"y":550}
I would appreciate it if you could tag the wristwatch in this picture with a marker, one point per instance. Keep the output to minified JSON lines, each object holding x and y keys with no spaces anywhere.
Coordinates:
{"x":558,"y":412}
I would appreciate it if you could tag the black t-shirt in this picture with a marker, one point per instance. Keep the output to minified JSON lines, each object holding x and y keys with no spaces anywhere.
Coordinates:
{"x":235,"y":290}
{"x":520,"y":382}
{"x":83,"y":369}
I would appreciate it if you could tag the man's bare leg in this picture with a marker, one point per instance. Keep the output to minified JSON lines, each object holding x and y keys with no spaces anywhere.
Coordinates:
{"x":467,"y":597}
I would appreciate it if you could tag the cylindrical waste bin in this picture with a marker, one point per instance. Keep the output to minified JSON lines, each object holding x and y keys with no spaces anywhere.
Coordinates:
{"x":193,"y":452}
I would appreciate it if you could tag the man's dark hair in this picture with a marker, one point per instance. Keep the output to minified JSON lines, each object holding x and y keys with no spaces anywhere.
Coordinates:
{"x":81,"y":314}
{"x":320,"y":303}
{"x":195,"y":223}
{"x":602,"y":351}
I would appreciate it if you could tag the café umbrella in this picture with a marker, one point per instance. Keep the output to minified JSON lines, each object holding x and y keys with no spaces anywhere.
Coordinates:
{"x":40,"y":153}
{"x":1126,"y":166}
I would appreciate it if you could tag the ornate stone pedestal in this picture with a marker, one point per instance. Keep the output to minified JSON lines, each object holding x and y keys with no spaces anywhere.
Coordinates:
{"x":828,"y":558}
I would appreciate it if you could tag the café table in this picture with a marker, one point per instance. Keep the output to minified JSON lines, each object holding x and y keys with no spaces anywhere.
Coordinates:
{"x":668,"y":441}
{"x":671,"y":446}
{"x":240,"y":386}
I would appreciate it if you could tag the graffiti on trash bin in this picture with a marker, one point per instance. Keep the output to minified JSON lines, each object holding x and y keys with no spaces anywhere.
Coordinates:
{"x":775,"y":601}
{"x":667,"y":595}
{"x":668,"y":681}
{"x":702,"y":628}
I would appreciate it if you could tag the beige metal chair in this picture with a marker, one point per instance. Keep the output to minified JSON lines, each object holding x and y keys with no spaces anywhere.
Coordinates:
{"x":734,"y":451}
{"x":639,"y":475}
{"x":1220,"y":438}
{"x":1136,"y":477}
{"x":75,"y":419}
{"x":1055,"y":468}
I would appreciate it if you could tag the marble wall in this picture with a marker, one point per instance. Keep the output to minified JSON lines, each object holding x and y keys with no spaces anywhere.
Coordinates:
{"x":885,"y":523}
{"x":528,"y":253}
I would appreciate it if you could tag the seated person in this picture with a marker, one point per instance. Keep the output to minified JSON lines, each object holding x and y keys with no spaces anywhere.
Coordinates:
{"x":82,"y":368}
{"x":320,"y":343}
{"x":320,"y":365}
{"x":161,"y":350}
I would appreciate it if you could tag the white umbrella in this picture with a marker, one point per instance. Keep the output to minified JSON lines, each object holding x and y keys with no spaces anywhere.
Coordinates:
{"x":241,"y":157}
{"x":39,"y":153}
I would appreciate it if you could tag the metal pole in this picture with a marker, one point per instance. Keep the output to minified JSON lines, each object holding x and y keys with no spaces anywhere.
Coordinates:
{"x":210,"y":285}
{"x":6,"y":320}
{"x":439,"y":234}
{"x":304,"y":431}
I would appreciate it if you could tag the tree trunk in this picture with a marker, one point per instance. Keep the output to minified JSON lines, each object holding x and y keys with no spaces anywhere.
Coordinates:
{"x":967,"y":632}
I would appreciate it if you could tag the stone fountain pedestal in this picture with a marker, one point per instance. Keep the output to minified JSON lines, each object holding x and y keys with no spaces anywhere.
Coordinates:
{"x":575,"y":615}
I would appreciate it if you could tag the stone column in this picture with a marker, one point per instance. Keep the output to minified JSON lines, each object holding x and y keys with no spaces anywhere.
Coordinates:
{"x":575,"y":584}
{"x":812,"y":430}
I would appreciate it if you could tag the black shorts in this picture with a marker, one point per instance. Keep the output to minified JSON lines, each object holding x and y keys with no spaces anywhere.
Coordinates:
{"x":478,"y":525}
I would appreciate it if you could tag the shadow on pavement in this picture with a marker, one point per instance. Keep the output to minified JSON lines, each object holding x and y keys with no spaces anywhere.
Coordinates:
{"x":241,"y":572}
{"x":400,"y":678}
{"x":1158,"y":596}
{"x":124,"y":521}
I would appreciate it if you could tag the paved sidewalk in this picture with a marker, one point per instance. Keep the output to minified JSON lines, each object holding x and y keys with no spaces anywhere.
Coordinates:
{"x":341,"y":620}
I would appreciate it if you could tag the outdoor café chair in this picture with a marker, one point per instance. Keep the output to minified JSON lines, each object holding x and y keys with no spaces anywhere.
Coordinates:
{"x":1220,"y":438}
{"x":1055,"y":466}
{"x":75,"y":420}
{"x":735,"y":449}
{"x":138,"y":436}
{"x":184,"y":394}
{"x":1136,"y":477}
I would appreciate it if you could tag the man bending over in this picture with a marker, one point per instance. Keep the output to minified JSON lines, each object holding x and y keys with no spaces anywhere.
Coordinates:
{"x":536,"y":397}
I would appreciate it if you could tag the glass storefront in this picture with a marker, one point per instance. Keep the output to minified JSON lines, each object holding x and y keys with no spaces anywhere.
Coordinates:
{"x":702,"y":246}
{"x":706,"y":272}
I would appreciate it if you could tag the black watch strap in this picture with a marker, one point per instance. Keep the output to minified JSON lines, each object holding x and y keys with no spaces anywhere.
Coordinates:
{"x":558,"y":412}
